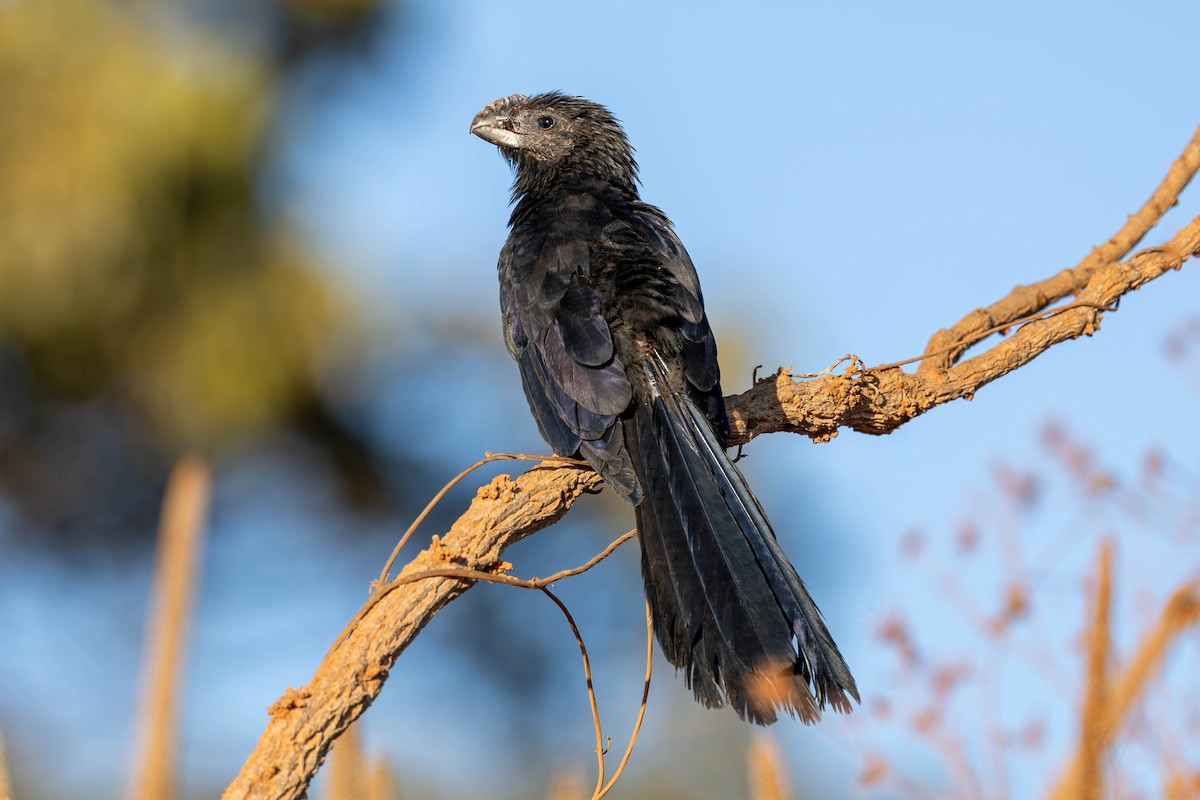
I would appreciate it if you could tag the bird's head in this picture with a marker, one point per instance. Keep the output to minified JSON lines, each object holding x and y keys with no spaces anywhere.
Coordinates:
{"x":554,"y":134}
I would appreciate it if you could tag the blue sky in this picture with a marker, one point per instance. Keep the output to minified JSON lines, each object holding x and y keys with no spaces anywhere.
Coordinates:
{"x":847,"y":178}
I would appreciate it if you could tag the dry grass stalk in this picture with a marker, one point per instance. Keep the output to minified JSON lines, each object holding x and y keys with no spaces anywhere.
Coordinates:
{"x":381,"y":782}
{"x":567,"y":784}
{"x":5,"y":783}
{"x":1095,"y":705}
{"x":1182,"y":610}
{"x":353,"y":776}
{"x":347,"y":768}
{"x":175,"y":571}
{"x":1182,"y":786}
{"x":767,"y":775}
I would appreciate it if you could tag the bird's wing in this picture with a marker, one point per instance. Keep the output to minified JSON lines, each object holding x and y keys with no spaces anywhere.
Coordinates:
{"x":699,"y":354}
{"x":575,"y":384}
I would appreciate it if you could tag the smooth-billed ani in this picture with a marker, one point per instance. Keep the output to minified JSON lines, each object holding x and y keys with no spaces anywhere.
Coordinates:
{"x":603,"y":312}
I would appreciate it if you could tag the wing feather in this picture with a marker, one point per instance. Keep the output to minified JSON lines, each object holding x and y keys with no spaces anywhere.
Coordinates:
{"x":554,"y":327}
{"x":699,"y":346}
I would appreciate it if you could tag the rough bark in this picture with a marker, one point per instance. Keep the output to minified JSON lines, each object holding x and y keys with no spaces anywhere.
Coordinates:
{"x":877,"y":400}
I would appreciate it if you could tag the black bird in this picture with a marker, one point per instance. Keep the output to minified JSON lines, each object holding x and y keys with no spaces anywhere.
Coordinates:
{"x":603,"y":312}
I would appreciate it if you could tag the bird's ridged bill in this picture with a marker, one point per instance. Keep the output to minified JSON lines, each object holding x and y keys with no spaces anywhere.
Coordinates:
{"x":494,"y":122}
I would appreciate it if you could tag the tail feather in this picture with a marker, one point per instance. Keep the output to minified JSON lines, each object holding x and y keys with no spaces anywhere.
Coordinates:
{"x":706,"y":606}
{"x":820,"y":663}
{"x":670,"y":593}
{"x":729,"y":608}
{"x":696,"y":610}
{"x":740,"y":611}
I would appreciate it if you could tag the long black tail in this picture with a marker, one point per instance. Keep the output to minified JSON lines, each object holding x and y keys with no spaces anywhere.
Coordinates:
{"x":728,"y":607}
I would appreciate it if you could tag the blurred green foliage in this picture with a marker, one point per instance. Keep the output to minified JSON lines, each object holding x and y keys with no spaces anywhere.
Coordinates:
{"x":138,"y":274}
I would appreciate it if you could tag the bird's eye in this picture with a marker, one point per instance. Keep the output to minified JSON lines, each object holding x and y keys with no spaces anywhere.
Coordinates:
{"x":545,"y":122}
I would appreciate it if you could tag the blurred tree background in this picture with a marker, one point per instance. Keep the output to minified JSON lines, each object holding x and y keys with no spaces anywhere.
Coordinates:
{"x":149,"y":304}
{"x":155,"y":301}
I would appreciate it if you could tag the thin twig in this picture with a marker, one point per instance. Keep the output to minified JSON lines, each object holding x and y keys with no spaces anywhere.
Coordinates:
{"x":856,"y":366}
{"x":1001,"y":328}
{"x":1027,"y":299}
{"x":383,"y":585}
{"x":542,"y":584}
{"x":880,"y":400}
{"x":591,"y":689}
{"x":477,"y":575}
{"x":637,"y":724}
{"x":437,"y":498}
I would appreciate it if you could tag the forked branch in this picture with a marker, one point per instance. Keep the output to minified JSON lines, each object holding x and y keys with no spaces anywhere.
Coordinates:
{"x":875,"y":400}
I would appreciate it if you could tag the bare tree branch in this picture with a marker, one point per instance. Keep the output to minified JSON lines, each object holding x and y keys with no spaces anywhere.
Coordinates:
{"x":1025,"y":300}
{"x":304,"y":722}
{"x":878,"y":400}
{"x":881,"y":399}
